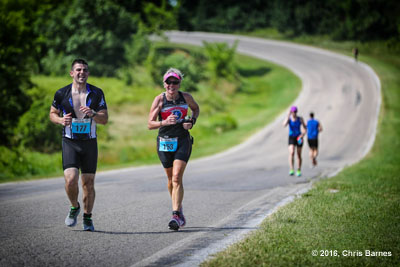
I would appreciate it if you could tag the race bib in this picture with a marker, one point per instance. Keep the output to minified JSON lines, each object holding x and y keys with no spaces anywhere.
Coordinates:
{"x":80,"y":126}
{"x":168,"y":144}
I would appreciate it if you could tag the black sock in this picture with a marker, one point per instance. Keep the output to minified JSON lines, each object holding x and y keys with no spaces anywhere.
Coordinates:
{"x":87,"y":216}
{"x":176,"y":212}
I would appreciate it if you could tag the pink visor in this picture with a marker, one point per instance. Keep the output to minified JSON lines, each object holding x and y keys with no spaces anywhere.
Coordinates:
{"x":171,"y":74}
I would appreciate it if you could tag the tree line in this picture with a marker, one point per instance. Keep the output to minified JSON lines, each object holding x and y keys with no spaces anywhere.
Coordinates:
{"x":361,"y":20}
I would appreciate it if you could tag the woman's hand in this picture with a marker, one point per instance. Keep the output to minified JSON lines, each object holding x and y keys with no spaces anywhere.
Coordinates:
{"x":187,"y":125}
{"x":171,"y":120}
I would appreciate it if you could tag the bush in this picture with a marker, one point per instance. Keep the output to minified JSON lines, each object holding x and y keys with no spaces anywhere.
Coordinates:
{"x":36,"y":131}
{"x":221,"y":60}
{"x":12,"y":163}
{"x":136,"y":53}
{"x":222,"y":123}
{"x":20,"y":163}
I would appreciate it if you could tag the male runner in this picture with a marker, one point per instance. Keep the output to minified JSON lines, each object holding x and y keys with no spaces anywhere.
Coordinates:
{"x":313,"y":129}
{"x":79,"y":107}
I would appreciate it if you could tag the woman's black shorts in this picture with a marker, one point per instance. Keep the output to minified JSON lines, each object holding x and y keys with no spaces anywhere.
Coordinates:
{"x":80,"y":154}
{"x":293,"y":141}
{"x":182,"y":152}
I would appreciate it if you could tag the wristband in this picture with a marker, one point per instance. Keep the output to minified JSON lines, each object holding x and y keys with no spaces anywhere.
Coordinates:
{"x":194,"y":120}
{"x":94,"y":113}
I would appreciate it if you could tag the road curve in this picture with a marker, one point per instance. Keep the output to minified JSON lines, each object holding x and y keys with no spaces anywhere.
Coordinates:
{"x":226,"y":195}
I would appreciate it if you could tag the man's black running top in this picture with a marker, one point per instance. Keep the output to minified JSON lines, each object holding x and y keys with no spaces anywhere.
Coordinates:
{"x":94,"y":100}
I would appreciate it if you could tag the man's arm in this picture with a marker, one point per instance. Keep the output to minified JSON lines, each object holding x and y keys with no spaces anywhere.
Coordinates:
{"x":100,"y":116}
{"x":303,"y":133}
{"x":56,"y":119}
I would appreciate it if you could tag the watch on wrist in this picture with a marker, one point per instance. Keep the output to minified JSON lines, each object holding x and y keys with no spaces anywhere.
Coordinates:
{"x":94,"y":113}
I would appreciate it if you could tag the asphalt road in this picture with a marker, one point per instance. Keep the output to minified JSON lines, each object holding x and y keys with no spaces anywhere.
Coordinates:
{"x":226,"y":195}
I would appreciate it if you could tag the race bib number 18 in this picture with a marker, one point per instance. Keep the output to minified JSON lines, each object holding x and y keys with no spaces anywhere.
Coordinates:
{"x":168,"y":144}
{"x":80,"y":126}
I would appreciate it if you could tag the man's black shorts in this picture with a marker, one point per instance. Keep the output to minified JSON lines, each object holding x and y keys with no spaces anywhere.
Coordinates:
{"x":313,"y":143}
{"x":182,"y":152}
{"x":80,"y":154}
{"x":293,"y":141}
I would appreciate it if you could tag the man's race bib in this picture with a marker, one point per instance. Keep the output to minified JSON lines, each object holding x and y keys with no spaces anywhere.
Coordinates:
{"x":168,"y":144}
{"x":80,"y":126}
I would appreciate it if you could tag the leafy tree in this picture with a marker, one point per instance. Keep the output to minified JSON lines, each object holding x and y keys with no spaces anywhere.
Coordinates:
{"x":159,"y":17}
{"x":136,"y":52}
{"x":17,"y":44}
{"x":223,"y":15}
{"x":93,"y":29}
{"x":138,"y":48}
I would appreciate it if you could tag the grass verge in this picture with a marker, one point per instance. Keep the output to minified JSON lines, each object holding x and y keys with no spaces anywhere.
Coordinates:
{"x":352,"y":219}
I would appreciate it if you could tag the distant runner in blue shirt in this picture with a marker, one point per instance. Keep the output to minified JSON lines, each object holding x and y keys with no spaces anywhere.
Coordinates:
{"x":313,"y":129}
{"x":296,"y":134}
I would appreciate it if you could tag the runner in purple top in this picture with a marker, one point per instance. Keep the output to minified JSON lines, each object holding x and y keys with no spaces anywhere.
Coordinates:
{"x":296,"y":135}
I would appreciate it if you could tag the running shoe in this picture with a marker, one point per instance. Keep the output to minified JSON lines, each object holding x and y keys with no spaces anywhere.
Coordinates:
{"x":88,"y":224}
{"x":175,"y":223}
{"x":182,"y":217}
{"x":298,"y":173}
{"x":72,"y":216}
{"x":291,"y":172}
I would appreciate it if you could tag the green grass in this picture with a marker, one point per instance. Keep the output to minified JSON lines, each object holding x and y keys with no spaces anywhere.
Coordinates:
{"x":262,"y":92}
{"x":355,"y":211}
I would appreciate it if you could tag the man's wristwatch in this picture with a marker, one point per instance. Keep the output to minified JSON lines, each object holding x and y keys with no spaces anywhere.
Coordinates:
{"x":94,"y":113}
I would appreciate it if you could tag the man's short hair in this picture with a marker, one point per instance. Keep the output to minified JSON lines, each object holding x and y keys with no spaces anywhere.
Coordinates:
{"x":79,"y":61}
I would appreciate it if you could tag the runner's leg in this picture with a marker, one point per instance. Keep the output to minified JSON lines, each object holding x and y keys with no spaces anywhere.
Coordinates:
{"x":311,"y":153}
{"x":89,"y":193}
{"x":177,"y":186}
{"x":315,"y":154}
{"x":71,"y":176}
{"x":168,"y":171}
{"x":299,"y":160}
{"x":291,"y":157}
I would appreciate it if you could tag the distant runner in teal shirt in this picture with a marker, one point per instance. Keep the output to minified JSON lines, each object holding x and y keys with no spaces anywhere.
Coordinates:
{"x":313,"y":129}
{"x":296,"y":134}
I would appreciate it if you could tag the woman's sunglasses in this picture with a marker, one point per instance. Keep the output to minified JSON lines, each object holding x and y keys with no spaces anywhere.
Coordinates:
{"x":172,"y":82}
